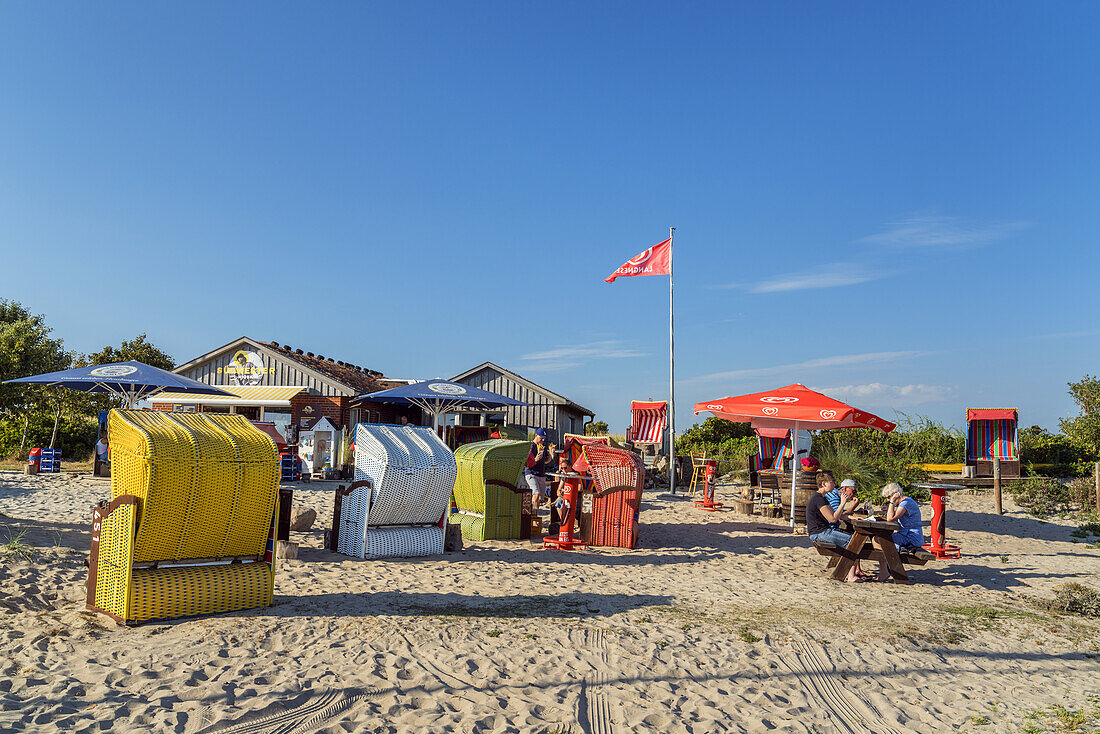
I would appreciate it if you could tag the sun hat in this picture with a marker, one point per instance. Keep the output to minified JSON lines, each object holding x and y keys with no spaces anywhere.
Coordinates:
{"x":848,"y":483}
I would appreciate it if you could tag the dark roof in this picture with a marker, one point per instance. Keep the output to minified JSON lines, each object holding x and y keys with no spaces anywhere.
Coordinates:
{"x":554,"y":397}
{"x":358,"y":378}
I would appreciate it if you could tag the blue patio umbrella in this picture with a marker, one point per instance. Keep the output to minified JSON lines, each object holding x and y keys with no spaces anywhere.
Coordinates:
{"x":439,"y":397}
{"x":127,"y":380}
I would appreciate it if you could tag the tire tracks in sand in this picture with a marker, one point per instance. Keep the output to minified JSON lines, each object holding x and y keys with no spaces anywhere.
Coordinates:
{"x":816,"y":673}
{"x":305,"y":716}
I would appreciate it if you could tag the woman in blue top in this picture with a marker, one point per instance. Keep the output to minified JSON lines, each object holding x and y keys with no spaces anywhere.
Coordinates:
{"x":906,"y":512}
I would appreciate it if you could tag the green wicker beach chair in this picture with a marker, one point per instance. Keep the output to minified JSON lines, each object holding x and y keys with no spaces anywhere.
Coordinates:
{"x":489,"y":491}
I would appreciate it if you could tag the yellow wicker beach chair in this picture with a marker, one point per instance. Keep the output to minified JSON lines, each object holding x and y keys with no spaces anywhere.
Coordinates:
{"x":190,"y":527}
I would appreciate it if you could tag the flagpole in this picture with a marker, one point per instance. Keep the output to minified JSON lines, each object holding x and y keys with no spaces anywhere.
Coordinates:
{"x":671,"y":376}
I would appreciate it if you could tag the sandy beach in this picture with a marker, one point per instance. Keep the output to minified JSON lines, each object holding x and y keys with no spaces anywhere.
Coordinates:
{"x":716,"y":622}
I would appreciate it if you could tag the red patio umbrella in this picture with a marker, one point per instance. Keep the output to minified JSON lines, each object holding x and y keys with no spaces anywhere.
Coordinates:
{"x":792,"y":407}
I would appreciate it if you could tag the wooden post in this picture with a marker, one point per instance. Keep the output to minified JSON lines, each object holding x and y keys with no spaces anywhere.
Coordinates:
{"x":997,"y":485}
{"x":1096,"y":474}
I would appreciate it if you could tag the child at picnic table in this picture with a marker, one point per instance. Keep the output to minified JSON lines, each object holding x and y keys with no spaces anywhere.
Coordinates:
{"x":822,"y":521}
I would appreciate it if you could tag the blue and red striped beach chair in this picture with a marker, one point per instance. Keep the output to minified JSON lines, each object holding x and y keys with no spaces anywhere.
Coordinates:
{"x":992,"y":433}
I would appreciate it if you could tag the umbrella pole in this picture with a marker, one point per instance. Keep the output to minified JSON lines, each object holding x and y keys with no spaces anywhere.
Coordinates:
{"x":794,"y":468}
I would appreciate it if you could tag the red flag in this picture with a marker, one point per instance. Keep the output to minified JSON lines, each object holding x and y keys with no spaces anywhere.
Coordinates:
{"x":654,"y":261}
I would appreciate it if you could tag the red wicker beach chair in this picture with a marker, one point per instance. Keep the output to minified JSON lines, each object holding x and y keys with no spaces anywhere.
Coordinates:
{"x":647,"y":421}
{"x":619,"y":476}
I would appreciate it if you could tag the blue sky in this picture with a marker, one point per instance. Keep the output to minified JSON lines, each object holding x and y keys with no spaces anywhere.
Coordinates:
{"x":894,"y":204}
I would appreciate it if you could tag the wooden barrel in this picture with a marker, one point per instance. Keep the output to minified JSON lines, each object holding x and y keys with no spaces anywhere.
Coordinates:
{"x":807,"y":485}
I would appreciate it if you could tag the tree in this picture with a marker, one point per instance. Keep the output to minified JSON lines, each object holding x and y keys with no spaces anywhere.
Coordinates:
{"x":1040,"y":446}
{"x":1084,"y":430}
{"x":73,"y":404}
{"x":140,"y":349}
{"x":713,"y":431}
{"x":25,"y":349}
{"x":596,"y":428}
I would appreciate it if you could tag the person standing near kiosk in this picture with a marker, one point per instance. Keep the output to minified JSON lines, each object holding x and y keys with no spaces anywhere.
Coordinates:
{"x":534,"y":470}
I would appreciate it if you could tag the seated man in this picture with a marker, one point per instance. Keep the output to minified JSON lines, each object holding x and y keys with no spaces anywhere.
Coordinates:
{"x":822,"y":521}
{"x":848,"y":494}
{"x":845,"y":493}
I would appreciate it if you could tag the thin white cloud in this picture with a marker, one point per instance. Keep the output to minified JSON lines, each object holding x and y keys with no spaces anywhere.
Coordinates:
{"x":551,"y":366}
{"x":898,"y":396}
{"x":568,"y":357}
{"x":1067,"y":334}
{"x":836,"y":275}
{"x":611,"y":349}
{"x":844,"y":360}
{"x":937,"y":231}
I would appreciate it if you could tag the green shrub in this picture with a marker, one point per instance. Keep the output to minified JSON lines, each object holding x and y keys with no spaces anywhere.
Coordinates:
{"x":1074,"y":599}
{"x":1040,"y":446}
{"x":731,"y":443}
{"x":924,"y":441}
{"x":874,"y":458}
{"x":596,"y":428}
{"x":1077,"y":469}
{"x":870,"y":457}
{"x":1082,"y":493}
{"x":1043,"y":496}
{"x":713,"y":431}
{"x":1084,"y":430}
{"x":75,"y":436}
{"x":847,"y":463}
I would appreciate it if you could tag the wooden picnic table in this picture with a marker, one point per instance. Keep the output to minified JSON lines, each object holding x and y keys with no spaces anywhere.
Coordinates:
{"x":863,"y":531}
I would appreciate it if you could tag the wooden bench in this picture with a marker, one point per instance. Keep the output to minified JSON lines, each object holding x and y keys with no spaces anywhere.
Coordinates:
{"x":870,"y":553}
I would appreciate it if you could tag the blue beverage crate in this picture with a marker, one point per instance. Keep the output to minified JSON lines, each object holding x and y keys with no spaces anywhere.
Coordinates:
{"x":51,"y":461}
{"x":290,"y":468}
